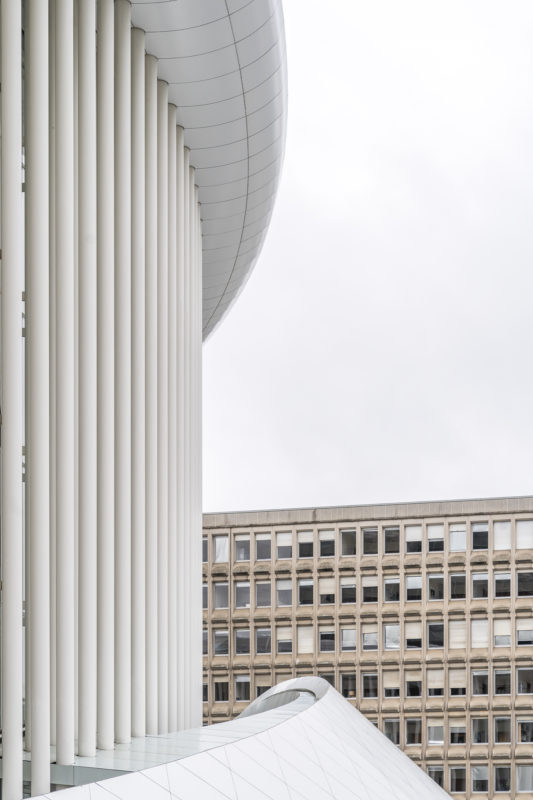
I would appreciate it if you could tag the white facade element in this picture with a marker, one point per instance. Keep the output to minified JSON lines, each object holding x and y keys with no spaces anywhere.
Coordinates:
{"x":300,"y":740}
{"x":143,"y":168}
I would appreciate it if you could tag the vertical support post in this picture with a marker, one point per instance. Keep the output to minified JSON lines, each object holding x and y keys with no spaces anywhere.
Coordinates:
{"x":87,"y":376}
{"x":162,"y":401}
{"x":122,"y":371}
{"x":138,"y":521}
{"x":12,"y":397}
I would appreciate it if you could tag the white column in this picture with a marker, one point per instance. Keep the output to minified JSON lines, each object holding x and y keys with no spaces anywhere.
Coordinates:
{"x":151,"y":394}
{"x":87,"y":379}
{"x":106,"y":372}
{"x":187,"y":436}
{"x":65,"y":376}
{"x":138,"y":521}
{"x":12,"y":397}
{"x":122,"y":371}
{"x":172,"y":429}
{"x":162,"y":401}
{"x":37,"y":399}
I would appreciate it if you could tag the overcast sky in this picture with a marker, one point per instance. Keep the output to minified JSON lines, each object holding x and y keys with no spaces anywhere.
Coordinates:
{"x":382,"y":349}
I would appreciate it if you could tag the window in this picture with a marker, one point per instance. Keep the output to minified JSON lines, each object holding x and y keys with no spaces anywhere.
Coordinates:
{"x":391,"y":729}
{"x":479,"y":632}
{"x":326,"y":639}
{"x":392,"y":589}
{"x":392,"y":540}
{"x":306,"y":639}
{"x":392,"y":636}
{"x":524,"y":680}
{"x":204,"y":595}
{"x":370,"y":636}
{"x":242,"y":688}
{"x":457,"y":634}
{"x":480,"y":585}
{"x":502,"y":779}
{"x":348,"y":640}
{"x":524,"y":534}
{"x":524,"y":631}
{"x":436,"y":773}
{"x":326,"y":541}
{"x":328,"y":677}
{"x":220,"y":639}
{"x":457,"y":730}
{"x":348,"y":542}
{"x":284,"y":592}
{"x":435,"y":682}
{"x":348,"y":684}
{"x":205,"y":644}
{"x":262,"y":546}
{"x":525,"y":731}
{"x":502,"y":730}
{"x":326,"y":591}
{"x":413,"y":683}
{"x":413,"y":587}
{"x":502,"y":535}
{"x":457,"y":537}
{"x":413,"y":538}
{"x":435,"y":726}
{"x":502,"y":584}
{"x":413,"y":731}
{"x":524,"y":584}
{"x":502,"y":633}
{"x":305,"y":591}
{"x":370,"y":684}
{"x":284,"y":545}
{"x":502,"y":681}
{"x":262,"y":594}
{"x":524,"y":778}
{"x":221,"y":549}
{"x":480,"y":536}
{"x":348,"y":591}
{"x":457,"y":678}
{"x":413,"y":635}
{"x":220,"y":592}
{"x":242,"y":547}
{"x":242,"y":594}
{"x":457,"y":586}
{"x":391,"y":683}
{"x":480,"y":730}
{"x":305,"y":544}
{"x":221,"y":692}
{"x":242,"y":641}
{"x":370,"y":541}
{"x":205,"y":695}
{"x":262,"y":641}
{"x":480,"y":682}
{"x":259,"y":690}
{"x":284,"y":639}
{"x":457,"y":780}
{"x":435,"y":587}
{"x":370,"y":589}
{"x":435,"y":538}
{"x":480,"y":778}
{"x":204,"y":549}
{"x":435,"y":635}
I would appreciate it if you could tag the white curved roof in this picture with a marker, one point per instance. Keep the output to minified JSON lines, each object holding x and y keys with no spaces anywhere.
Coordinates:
{"x":299,"y":741}
{"x":224,"y":61}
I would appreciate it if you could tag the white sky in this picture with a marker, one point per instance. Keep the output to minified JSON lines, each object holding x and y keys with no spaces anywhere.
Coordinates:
{"x":382,"y":348}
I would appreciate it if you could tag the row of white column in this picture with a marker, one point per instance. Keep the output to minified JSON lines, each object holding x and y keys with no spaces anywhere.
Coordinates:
{"x":101,"y":256}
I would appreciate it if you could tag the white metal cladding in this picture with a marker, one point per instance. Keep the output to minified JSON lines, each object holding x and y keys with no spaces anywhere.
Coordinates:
{"x":300,"y":740}
{"x":224,"y":61}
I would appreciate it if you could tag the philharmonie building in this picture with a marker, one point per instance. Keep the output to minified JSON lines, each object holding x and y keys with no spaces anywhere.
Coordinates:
{"x":141,"y":147}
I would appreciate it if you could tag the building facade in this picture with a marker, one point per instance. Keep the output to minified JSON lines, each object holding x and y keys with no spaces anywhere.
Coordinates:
{"x":141,"y":146}
{"x":420,"y":614}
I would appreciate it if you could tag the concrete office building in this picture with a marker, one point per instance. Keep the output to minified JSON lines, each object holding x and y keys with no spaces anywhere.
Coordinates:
{"x":141,"y":146}
{"x":421,"y":614}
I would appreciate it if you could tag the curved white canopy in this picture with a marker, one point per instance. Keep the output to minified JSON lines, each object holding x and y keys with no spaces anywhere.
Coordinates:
{"x":224,"y":61}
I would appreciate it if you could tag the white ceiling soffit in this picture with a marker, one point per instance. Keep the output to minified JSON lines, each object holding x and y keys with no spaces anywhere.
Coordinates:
{"x":225,"y":64}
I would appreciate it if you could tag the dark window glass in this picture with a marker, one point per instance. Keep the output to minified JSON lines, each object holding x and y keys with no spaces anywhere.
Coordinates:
{"x":221,"y":643}
{"x":502,"y":584}
{"x":524,"y":638}
{"x":480,"y":585}
{"x":327,"y":642}
{"x":525,"y":584}
{"x":221,"y":692}
{"x":242,"y":594}
{"x":242,"y":690}
{"x":392,"y":691}
{"x":480,"y":779}
{"x":413,"y":587}
{"x":524,"y":679}
{"x":348,"y":543}
{"x":259,"y":690}
{"x":413,"y":731}
{"x":502,"y":779}
{"x":480,"y":683}
{"x":458,"y":780}
{"x":205,"y":696}
{"x":480,"y":730}
{"x":204,"y":642}
{"x":370,"y":542}
{"x":305,"y":548}
{"x":242,"y":549}
{"x":370,"y":685}
{"x":436,"y":587}
{"x":457,"y":587}
{"x":262,"y":641}
{"x":480,"y":536}
{"x":370,"y":594}
{"x":392,"y":540}
{"x":329,"y":678}
{"x":204,"y":549}
{"x":437,"y":774}
{"x":457,"y":732}
{"x":392,"y":590}
{"x":305,"y":592}
{"x":391,"y":729}
{"x":348,"y":684}
{"x":262,"y":549}
{"x":525,"y":731}
{"x":242,"y":641}
{"x":262,"y":594}
{"x":502,"y":681}
{"x":284,"y":645}
{"x":348,"y":593}
{"x":204,"y":595}
{"x":413,"y":688}
{"x":327,"y":547}
{"x":502,"y":730}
